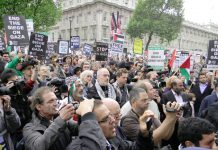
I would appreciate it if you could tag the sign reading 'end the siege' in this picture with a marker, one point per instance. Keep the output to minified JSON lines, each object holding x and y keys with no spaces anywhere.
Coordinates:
{"x":16,"y":30}
{"x":212,"y":60}
{"x":38,"y":45}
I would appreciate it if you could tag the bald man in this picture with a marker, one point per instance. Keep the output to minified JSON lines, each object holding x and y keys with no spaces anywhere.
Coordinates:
{"x":102,"y":88}
{"x":114,"y":108}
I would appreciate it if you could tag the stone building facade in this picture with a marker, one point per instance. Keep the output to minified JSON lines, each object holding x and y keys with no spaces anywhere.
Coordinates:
{"x":90,"y":19}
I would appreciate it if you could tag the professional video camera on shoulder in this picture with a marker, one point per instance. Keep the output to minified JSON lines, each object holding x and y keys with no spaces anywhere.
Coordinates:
{"x":60,"y":86}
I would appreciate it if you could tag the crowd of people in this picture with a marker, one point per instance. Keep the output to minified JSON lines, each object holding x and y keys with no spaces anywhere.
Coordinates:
{"x":81,"y":104}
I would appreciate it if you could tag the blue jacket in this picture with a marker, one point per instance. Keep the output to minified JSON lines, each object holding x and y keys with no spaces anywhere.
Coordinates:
{"x":207,"y":101}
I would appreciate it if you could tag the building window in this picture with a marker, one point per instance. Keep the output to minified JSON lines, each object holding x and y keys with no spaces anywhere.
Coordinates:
{"x":77,"y":19}
{"x":93,"y":32}
{"x":77,"y":31}
{"x":78,"y":1}
{"x":63,"y":32}
{"x":85,"y":33}
{"x":105,"y":16}
{"x":94,"y":16}
{"x":104,"y":32}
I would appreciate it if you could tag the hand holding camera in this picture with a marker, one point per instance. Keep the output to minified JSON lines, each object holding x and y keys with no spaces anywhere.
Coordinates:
{"x":171,"y":109}
{"x":67,"y":112}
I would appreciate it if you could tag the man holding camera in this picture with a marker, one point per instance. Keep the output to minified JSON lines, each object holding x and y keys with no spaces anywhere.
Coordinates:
{"x":9,"y":122}
{"x":49,"y":128}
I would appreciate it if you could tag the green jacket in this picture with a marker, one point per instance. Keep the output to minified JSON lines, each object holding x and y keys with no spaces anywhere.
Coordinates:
{"x":12,"y":65}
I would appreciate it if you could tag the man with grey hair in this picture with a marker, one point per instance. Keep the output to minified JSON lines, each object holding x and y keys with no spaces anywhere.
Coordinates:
{"x":139,"y":104}
{"x":46,"y":131}
{"x":102,"y":88}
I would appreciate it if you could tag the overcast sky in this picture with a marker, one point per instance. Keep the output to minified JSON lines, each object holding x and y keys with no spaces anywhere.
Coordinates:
{"x":201,"y":11}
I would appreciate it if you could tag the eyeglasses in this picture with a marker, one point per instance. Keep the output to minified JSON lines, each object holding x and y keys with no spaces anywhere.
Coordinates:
{"x":117,"y":116}
{"x":109,"y":118}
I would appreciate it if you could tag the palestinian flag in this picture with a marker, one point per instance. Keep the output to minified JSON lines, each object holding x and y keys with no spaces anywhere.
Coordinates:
{"x":172,"y":59}
{"x":185,"y":68}
{"x":119,"y":38}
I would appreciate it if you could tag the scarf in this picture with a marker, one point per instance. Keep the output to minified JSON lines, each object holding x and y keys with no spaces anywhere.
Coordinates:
{"x":111,"y":92}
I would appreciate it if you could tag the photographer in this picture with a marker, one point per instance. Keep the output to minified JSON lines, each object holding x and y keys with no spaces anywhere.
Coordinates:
{"x":49,"y":129}
{"x":9,"y":121}
{"x":19,"y":101}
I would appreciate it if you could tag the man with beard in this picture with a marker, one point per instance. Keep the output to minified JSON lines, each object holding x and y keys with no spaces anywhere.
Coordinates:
{"x":102,"y":88}
{"x":201,"y":90}
{"x":175,"y":94}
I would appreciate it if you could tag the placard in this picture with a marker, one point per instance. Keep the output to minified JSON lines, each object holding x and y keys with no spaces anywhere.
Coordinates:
{"x":137,"y":47}
{"x":87,"y":49}
{"x":38,"y":45}
{"x":117,"y":47}
{"x":75,"y":42}
{"x":63,"y":46}
{"x":16,"y":30}
{"x":212,"y":60}
{"x":51,"y":49}
{"x":101,"y":51}
{"x":156,"y":57}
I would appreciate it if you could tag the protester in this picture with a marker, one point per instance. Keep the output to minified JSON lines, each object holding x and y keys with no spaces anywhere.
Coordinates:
{"x":48,"y":129}
{"x":196,"y":132}
{"x":102,"y":88}
{"x":201,"y":90}
{"x":98,"y":127}
{"x":139,"y":102}
{"x":9,"y":122}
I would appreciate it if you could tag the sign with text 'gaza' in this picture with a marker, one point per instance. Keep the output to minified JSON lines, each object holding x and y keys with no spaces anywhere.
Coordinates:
{"x":156,"y":57}
{"x":212,"y":57}
{"x":38,"y":45}
{"x":16,"y":30}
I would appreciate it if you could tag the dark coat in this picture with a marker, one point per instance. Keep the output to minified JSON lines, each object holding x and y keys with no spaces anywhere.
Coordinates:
{"x":91,"y":137}
{"x":200,"y":96}
{"x":207,"y":101}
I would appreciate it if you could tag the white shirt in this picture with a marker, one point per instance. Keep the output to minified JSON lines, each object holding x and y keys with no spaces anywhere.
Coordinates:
{"x":178,"y":98}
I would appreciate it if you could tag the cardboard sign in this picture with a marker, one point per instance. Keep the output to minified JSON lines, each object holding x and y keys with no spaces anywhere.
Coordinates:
{"x":117,"y":47}
{"x":212,"y":60}
{"x":101,"y":51}
{"x":75,"y":42}
{"x":51,"y":49}
{"x":16,"y":30}
{"x":87,"y":49}
{"x":137,"y":47}
{"x":156,"y":57}
{"x":63,"y":47}
{"x":38,"y":45}
{"x":2,"y":44}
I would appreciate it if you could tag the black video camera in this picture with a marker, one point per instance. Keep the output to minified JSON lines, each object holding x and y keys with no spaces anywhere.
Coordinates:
{"x":60,"y":85}
{"x":4,"y":91}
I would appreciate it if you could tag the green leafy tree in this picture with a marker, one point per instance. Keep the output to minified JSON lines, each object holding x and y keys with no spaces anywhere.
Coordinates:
{"x":45,"y":13}
{"x":162,"y":18}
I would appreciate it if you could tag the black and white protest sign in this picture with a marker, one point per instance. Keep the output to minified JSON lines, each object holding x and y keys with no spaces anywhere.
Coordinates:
{"x":75,"y":42}
{"x":51,"y":49}
{"x":101,"y":51}
{"x":87,"y":49}
{"x":117,"y":47}
{"x":212,"y":60}
{"x":38,"y":45}
{"x":2,"y":44}
{"x":63,"y":46}
{"x":16,"y":30}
